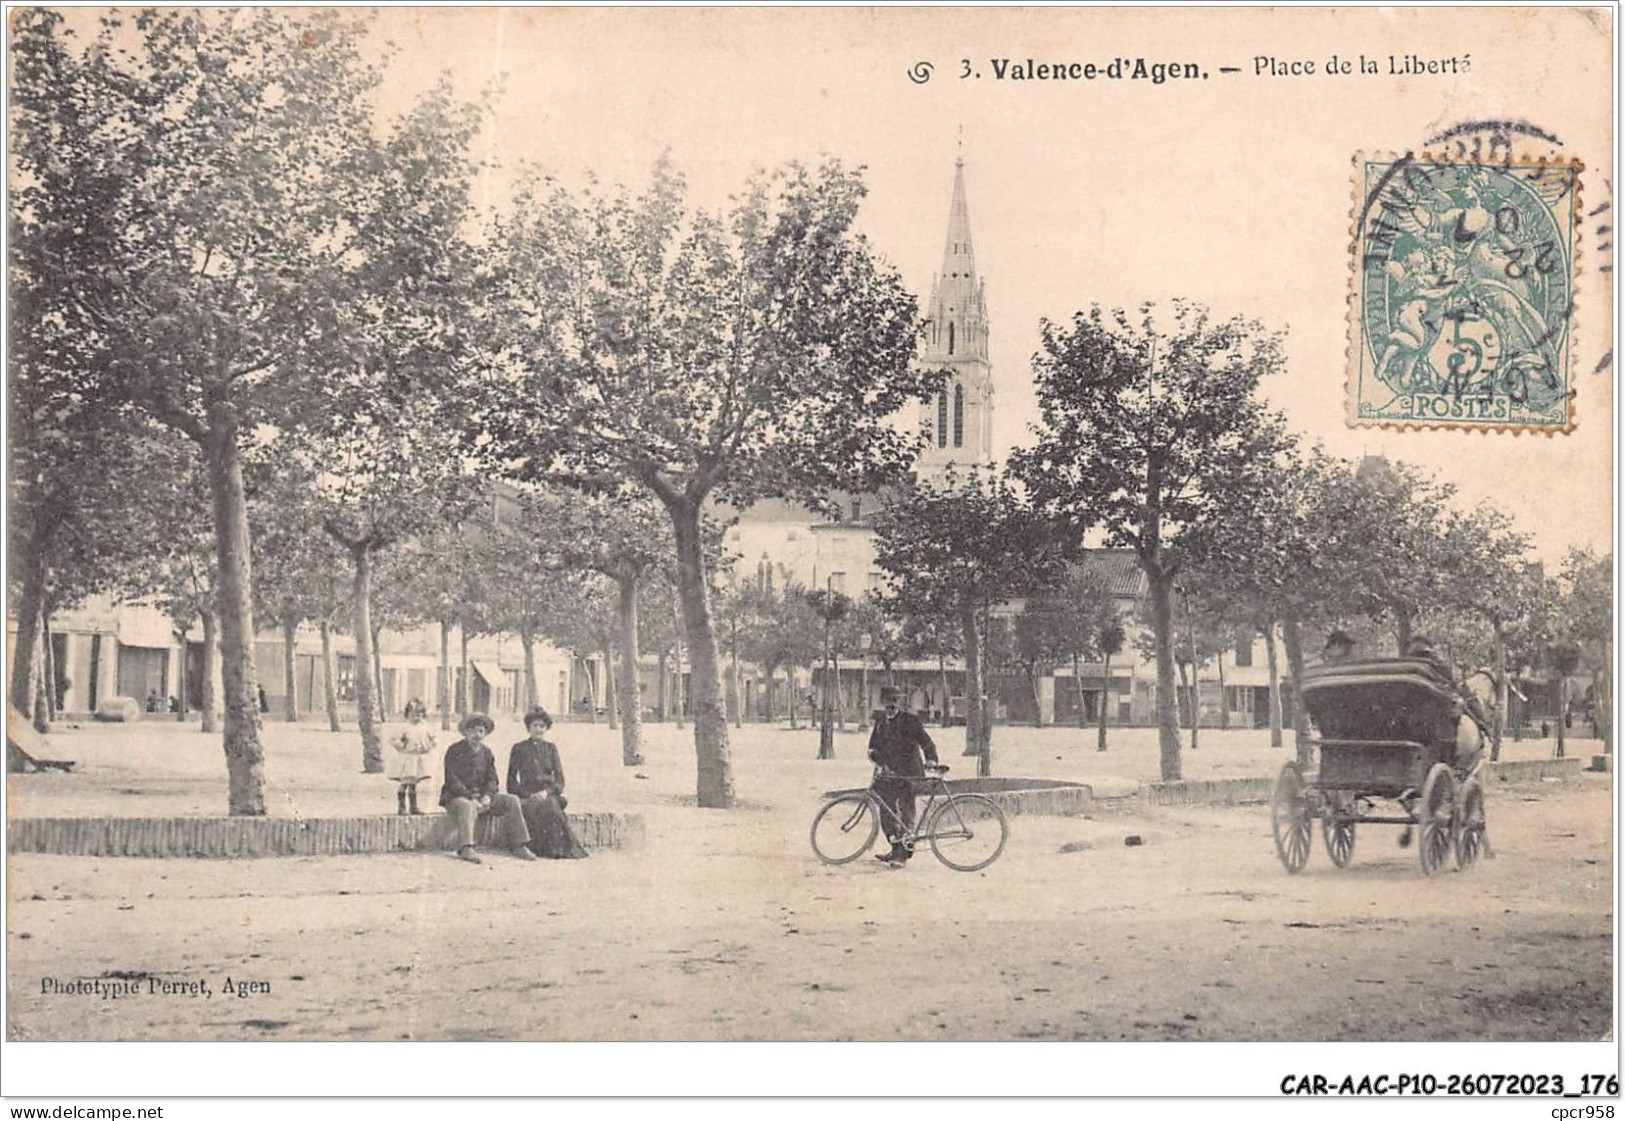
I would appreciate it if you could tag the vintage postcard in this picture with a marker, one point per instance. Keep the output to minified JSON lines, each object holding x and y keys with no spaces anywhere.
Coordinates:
{"x":898,"y":525}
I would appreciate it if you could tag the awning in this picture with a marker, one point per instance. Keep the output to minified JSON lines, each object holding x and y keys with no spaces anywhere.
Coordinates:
{"x":494,"y":677}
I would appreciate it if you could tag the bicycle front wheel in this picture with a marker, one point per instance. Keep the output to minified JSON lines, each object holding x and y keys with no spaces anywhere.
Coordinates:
{"x":845,"y":828}
{"x":968,"y":832}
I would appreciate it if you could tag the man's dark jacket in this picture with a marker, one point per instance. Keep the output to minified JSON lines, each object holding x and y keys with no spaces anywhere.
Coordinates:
{"x":471,"y":772}
{"x":896,"y":744}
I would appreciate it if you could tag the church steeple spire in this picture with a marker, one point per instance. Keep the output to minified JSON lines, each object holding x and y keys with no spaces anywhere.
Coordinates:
{"x":959,"y":421}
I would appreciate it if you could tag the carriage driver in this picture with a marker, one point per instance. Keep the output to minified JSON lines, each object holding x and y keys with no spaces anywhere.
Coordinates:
{"x":896,"y":745}
{"x":1469,"y":728}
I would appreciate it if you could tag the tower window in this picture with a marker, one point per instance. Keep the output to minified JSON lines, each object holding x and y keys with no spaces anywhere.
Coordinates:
{"x":959,"y":416}
{"x":950,"y":338}
{"x":942,"y":419}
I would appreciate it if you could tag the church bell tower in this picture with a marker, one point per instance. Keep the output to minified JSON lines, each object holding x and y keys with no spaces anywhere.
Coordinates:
{"x":958,"y":422}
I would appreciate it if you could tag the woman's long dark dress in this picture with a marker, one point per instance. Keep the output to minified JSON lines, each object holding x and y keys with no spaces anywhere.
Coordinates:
{"x":533,"y":770}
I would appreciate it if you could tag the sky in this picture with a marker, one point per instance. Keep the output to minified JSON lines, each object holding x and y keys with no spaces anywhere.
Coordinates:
{"x":1234,"y":190}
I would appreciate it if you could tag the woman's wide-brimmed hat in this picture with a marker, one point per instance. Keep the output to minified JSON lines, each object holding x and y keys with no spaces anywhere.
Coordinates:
{"x":477,"y":720}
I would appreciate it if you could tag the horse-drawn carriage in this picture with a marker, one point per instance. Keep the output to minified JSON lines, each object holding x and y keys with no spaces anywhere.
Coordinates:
{"x":1390,"y":731}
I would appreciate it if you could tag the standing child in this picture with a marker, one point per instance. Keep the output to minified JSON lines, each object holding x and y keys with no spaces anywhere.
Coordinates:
{"x":410,"y":763}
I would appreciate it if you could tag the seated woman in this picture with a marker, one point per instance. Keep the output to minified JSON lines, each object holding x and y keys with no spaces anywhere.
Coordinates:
{"x":536,"y":777}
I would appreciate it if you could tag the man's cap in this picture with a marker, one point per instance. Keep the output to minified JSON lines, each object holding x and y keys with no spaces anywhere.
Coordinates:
{"x":889,"y":693}
{"x":477,"y":720}
{"x":1339,"y":638}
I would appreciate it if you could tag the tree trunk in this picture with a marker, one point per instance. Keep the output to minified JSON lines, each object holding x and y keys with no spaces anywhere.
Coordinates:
{"x":610,"y":693}
{"x":181,"y":697}
{"x":1292,"y":638}
{"x":790,"y":695}
{"x":33,"y":595}
{"x":366,"y":705}
{"x":1105,"y":696}
{"x":1038,"y":700}
{"x":1498,"y":717}
{"x":1224,"y":699}
{"x":592,"y":686}
{"x":1185,"y":684}
{"x":677,"y":662}
{"x":206,"y":699}
{"x":771,"y":712}
{"x":665,"y":687}
{"x":630,"y":696}
{"x":28,"y":629}
{"x":1270,"y":654}
{"x":533,"y":692}
{"x":376,"y":666}
{"x":465,"y":686}
{"x":330,"y":676}
{"x":1196,"y":671}
{"x":714,"y":781}
{"x":1402,"y":628}
{"x":48,"y":658}
{"x":290,"y":666}
{"x":1162,"y":622}
{"x":245,"y":758}
{"x":840,"y":697}
{"x":41,"y":708}
{"x":1077,"y":686}
{"x":1562,"y":714}
{"x":947,"y":705}
{"x":978,"y":732}
{"x":863,"y":697}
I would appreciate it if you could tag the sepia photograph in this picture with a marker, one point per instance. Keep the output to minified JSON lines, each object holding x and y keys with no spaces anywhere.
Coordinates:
{"x":907,"y":525}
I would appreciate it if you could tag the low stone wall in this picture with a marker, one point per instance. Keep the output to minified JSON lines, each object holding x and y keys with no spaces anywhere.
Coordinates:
{"x":1208,"y":792}
{"x":280,"y":836}
{"x":1018,"y":796}
{"x":1532,"y":770}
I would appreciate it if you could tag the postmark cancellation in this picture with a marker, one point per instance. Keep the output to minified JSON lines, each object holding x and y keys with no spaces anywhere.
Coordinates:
{"x":1462,"y":309}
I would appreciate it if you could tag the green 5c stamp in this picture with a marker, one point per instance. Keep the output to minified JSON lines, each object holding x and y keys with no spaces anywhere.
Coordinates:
{"x":1463,"y":293}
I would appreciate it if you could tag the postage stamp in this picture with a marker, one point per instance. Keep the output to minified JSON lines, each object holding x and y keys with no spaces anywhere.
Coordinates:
{"x":1463,"y":292}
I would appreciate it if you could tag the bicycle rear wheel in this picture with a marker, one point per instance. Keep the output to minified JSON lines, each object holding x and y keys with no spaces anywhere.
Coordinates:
{"x":845,"y":828}
{"x":968,"y":832}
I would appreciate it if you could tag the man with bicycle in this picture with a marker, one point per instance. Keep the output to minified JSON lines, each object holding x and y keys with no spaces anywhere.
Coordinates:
{"x":895,"y":747}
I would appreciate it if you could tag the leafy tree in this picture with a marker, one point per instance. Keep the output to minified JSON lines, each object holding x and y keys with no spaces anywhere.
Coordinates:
{"x":1150,"y":425}
{"x":831,"y":608}
{"x":1586,"y":617}
{"x":956,"y":550}
{"x":219,"y":154}
{"x":703,"y":357}
{"x":624,"y":536}
{"x":72,"y":447}
{"x":783,"y":633}
{"x":173,"y":566}
{"x":1109,"y":639}
{"x":1063,"y":623}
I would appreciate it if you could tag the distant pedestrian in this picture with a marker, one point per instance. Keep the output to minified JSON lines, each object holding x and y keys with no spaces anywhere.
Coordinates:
{"x":470,"y":790}
{"x":536,"y":777}
{"x":409,"y":765}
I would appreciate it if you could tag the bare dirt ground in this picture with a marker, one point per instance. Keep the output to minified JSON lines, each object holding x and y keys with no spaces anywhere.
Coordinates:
{"x":726,"y":927}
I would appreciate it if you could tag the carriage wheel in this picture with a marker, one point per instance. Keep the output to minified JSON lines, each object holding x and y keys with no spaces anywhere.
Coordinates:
{"x":1291,"y":820}
{"x":1436,"y":818}
{"x":1338,"y":834}
{"x":1470,"y":828}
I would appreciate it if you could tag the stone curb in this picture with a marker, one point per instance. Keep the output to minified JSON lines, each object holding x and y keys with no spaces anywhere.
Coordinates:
{"x":1242,"y":791}
{"x":1532,"y":770}
{"x":280,"y":836}
{"x":1207,"y":792}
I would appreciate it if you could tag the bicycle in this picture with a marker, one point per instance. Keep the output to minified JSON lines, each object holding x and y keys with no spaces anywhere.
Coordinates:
{"x":967,"y":832}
